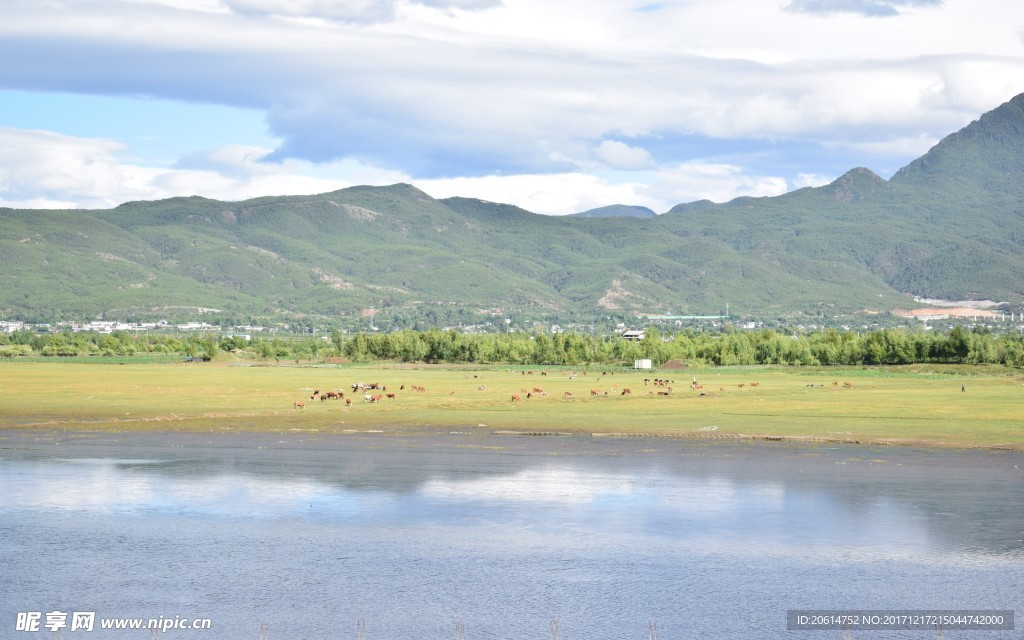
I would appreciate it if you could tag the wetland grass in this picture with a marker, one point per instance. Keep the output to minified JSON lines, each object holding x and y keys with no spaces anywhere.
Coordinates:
{"x":921,"y":405}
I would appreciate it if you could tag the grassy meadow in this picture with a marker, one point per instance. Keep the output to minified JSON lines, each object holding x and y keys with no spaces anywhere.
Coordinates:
{"x":912,"y":405}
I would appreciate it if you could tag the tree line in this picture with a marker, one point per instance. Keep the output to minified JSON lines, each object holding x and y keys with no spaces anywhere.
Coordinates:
{"x":695,"y":348}
{"x":730,"y":347}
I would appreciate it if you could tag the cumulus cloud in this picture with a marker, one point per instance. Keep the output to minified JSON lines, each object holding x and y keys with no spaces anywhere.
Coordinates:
{"x":460,"y":4}
{"x":691,"y":181}
{"x":342,"y":10}
{"x":230,"y":160}
{"x":811,"y":180}
{"x":213,"y":6}
{"x":619,"y":155}
{"x":900,"y":147}
{"x":42,"y":169}
{"x":441,"y":90}
{"x":357,"y":11}
{"x":552,"y":193}
{"x":862,"y":7}
{"x":658,"y":189}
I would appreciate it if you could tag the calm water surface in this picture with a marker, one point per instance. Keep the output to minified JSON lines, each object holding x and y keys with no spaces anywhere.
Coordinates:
{"x":502,"y":533}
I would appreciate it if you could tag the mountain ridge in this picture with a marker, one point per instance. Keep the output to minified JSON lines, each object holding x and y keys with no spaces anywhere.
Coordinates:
{"x":617,"y":210}
{"x":949,"y":225}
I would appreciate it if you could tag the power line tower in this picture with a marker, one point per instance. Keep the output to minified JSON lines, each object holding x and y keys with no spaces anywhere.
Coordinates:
{"x":460,"y":631}
{"x":938,"y":632}
{"x":652,"y":631}
{"x":360,"y":629}
{"x":554,"y":629}
{"x":264,"y":631}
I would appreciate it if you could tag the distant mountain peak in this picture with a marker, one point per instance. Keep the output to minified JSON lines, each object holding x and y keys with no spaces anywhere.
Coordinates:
{"x":403,"y":189}
{"x":855,"y":185}
{"x":410,"y":189}
{"x":698,"y":206}
{"x":617,"y":211}
{"x":991,"y":146}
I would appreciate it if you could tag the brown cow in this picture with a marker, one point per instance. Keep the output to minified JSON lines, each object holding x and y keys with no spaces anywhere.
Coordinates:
{"x":299,"y":404}
{"x":515,"y":396}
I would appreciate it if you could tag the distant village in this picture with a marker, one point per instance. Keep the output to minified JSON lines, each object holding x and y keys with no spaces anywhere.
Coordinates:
{"x":929,"y":318}
{"x":110,"y":326}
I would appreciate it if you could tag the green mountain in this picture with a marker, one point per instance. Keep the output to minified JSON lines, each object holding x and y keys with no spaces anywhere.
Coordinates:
{"x":949,"y":225}
{"x":617,"y":211}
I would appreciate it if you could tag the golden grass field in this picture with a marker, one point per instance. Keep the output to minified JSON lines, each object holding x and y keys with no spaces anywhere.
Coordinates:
{"x":883,"y":405}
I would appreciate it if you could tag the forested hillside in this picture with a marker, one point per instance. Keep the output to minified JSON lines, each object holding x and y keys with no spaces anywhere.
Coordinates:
{"x":949,"y":225}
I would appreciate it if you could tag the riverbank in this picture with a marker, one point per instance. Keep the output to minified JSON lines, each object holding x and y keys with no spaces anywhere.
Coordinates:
{"x":961,"y":407}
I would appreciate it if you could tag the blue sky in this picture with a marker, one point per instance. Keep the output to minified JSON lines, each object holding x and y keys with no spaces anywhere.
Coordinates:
{"x":556,"y":106}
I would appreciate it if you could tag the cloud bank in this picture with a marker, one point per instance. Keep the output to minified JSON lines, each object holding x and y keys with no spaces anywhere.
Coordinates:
{"x":653,"y":102}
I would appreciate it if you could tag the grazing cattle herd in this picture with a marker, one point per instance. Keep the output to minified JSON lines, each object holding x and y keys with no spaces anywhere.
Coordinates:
{"x":661,"y":388}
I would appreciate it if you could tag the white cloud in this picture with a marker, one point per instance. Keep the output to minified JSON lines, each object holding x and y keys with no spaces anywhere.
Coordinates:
{"x":811,"y":180}
{"x":688,"y":182}
{"x":553,"y":194}
{"x":231,"y":160}
{"x":863,"y":7}
{"x":45,"y":169}
{"x":213,"y":6}
{"x":460,"y":4}
{"x":658,"y":189}
{"x":343,"y":10}
{"x":619,"y":155}
{"x":905,"y":147}
{"x":465,"y":89}
{"x":356,"y":11}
